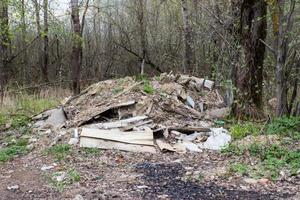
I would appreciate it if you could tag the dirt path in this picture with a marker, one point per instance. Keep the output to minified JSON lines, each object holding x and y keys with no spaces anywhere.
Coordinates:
{"x":120,"y":175}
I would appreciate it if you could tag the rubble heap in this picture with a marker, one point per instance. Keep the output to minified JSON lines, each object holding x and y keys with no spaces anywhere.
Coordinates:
{"x":170,"y":112}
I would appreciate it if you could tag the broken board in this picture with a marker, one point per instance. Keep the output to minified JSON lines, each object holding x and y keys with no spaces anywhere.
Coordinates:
{"x":103,"y":144}
{"x":118,"y":124}
{"x":135,"y":141}
{"x":132,"y":137}
{"x":94,"y":112}
{"x":164,"y":146}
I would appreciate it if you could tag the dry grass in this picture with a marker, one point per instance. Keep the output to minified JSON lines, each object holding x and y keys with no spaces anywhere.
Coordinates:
{"x":32,"y":102}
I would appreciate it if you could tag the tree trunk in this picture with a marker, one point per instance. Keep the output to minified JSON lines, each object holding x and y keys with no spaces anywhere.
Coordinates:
{"x":282,"y":26}
{"x":249,"y":78}
{"x":143,"y":32}
{"x":45,"y":43}
{"x":188,"y":52}
{"x":37,"y":17}
{"x":24,"y":57}
{"x":76,"y":48}
{"x":295,"y":88}
{"x":4,"y":42}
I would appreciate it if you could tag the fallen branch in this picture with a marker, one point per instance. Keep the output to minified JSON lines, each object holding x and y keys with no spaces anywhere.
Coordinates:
{"x":189,"y":130}
{"x":148,"y":62}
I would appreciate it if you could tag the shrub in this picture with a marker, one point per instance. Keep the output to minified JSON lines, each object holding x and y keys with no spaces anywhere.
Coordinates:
{"x":239,"y":131}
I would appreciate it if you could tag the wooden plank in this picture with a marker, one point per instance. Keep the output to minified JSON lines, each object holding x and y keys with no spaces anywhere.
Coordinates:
{"x":138,"y":124}
{"x":183,"y":110}
{"x":102,"y":144}
{"x":164,"y":146}
{"x":133,"y":137}
{"x":92,"y":113}
{"x":118,"y":124}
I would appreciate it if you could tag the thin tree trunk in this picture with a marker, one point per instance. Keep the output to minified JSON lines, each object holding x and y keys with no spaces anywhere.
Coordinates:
{"x":188,"y":52}
{"x":24,"y":57}
{"x":295,"y":88}
{"x":76,"y":48}
{"x":45,"y":43}
{"x":4,"y":42}
{"x":37,"y":16}
{"x":143,"y":33}
{"x":109,"y":41}
{"x":282,"y":26}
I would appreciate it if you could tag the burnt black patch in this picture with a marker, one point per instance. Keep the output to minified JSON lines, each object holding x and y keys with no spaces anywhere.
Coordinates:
{"x":166,"y":180}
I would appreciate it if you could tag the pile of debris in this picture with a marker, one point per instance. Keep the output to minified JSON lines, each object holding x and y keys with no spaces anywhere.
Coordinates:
{"x":170,"y":113}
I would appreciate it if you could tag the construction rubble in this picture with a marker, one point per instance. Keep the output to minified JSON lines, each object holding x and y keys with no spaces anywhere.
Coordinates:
{"x":170,"y":113}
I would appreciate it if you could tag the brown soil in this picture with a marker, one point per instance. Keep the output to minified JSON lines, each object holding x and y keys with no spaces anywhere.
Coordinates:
{"x":121,"y":175}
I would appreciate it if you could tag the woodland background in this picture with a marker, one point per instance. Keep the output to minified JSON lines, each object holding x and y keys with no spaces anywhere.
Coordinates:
{"x":250,"y":47}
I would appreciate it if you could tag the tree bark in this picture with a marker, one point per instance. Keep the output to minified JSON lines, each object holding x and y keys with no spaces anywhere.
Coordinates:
{"x":143,"y":33}
{"x":252,"y":29}
{"x":24,"y":57}
{"x":76,"y":48}
{"x":282,"y":26}
{"x":37,"y":17}
{"x":188,"y":52}
{"x":4,"y":43}
{"x":45,"y":43}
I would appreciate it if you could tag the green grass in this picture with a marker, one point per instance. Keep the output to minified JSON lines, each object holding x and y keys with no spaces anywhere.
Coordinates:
{"x":232,"y":149}
{"x":16,"y":116}
{"x":59,"y":151}
{"x":157,"y":78}
{"x":72,"y":176}
{"x":24,"y":106}
{"x":91,"y":151}
{"x":285,"y":126}
{"x":239,"y":131}
{"x":219,"y":123}
{"x":14,"y":149}
{"x":255,"y":149}
{"x":239,"y":168}
{"x":14,"y":121}
{"x":272,"y":159}
{"x":117,"y":90}
{"x":148,"y":87}
{"x":35,"y":105}
{"x":141,"y":78}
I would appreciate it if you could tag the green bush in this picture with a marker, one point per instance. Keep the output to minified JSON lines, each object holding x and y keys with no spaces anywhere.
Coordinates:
{"x":285,"y":126}
{"x":240,"y":131}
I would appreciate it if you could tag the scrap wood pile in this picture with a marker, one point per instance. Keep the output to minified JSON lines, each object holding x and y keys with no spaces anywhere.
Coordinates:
{"x":170,"y":113}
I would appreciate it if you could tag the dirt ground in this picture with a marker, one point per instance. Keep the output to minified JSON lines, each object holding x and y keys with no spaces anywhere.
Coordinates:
{"x":123,"y":175}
